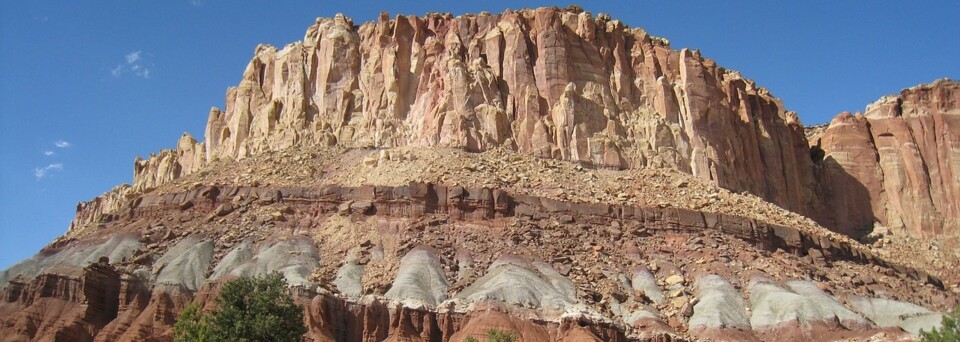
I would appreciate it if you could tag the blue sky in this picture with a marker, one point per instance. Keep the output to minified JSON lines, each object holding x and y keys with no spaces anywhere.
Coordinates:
{"x":87,"y":86}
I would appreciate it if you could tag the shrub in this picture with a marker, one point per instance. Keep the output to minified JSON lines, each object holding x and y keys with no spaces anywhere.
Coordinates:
{"x":949,"y":330}
{"x":192,"y":325}
{"x":248,"y":309}
{"x":494,"y":335}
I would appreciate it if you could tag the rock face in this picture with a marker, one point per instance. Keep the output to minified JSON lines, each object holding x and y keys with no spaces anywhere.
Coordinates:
{"x":515,"y":281}
{"x":898,"y":164}
{"x":564,"y":84}
{"x":776,"y":311}
{"x":60,"y":307}
{"x":553,"y":83}
{"x":295,"y":259}
{"x":720,"y":313}
{"x":563,"y":288}
{"x":375,"y":255}
{"x":890,"y":313}
{"x":420,"y":280}
{"x":567,"y":85}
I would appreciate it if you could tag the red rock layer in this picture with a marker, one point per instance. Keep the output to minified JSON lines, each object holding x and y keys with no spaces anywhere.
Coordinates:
{"x":60,"y":307}
{"x":898,"y":164}
{"x":86,"y":308}
{"x":459,"y":203}
{"x":567,"y":85}
{"x":552,"y":83}
{"x":106,"y":305}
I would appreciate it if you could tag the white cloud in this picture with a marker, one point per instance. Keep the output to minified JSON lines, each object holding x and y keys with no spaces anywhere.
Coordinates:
{"x":42,"y":172}
{"x":133,"y":62}
{"x":133,"y":57}
{"x":48,"y":153}
{"x":62,"y":143}
{"x":196,"y":3}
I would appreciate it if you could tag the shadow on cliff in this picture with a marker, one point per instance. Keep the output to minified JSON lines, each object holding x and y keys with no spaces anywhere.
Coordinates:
{"x":844,"y":202}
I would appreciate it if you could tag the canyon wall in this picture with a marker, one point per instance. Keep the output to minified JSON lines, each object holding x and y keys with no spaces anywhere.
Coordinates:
{"x":420,"y":260}
{"x":133,"y":285}
{"x":564,"y":84}
{"x":554,"y":83}
{"x":897,"y":164}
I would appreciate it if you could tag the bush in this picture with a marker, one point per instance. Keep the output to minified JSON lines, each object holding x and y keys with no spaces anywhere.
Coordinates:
{"x":494,"y":335}
{"x":949,"y":331}
{"x":191,"y":326}
{"x":248,"y":309}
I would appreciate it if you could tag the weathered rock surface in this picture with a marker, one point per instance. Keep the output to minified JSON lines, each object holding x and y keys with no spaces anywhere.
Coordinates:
{"x":721,"y":313}
{"x":802,"y":312}
{"x":418,"y":199}
{"x":160,"y":168}
{"x":420,"y":280}
{"x":510,"y":292}
{"x":185,"y":264}
{"x":645,"y":284}
{"x":341,"y":162}
{"x":892,"y":313}
{"x":295,"y":259}
{"x":349,"y":280}
{"x":521,"y":283}
{"x":564,"y":84}
{"x":567,"y":85}
{"x":61,"y":307}
{"x":73,"y":258}
{"x":238,"y":255}
{"x":902,"y":157}
{"x":552,"y":83}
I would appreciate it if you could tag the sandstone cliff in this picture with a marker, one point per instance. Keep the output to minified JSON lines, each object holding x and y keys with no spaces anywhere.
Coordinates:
{"x":543,"y":171}
{"x":553,"y":83}
{"x":570,"y":86}
{"x":898,"y":164}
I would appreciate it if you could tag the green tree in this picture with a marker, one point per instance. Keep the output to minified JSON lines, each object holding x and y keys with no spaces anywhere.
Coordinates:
{"x":494,"y":335}
{"x":192,"y":325}
{"x":248,"y":309}
{"x":949,"y":330}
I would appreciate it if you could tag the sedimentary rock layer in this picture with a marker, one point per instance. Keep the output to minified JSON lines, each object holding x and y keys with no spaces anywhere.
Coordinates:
{"x":898,"y":164}
{"x":419,"y":199}
{"x":567,"y":85}
{"x":440,"y":262}
{"x":542,"y":300}
{"x":553,"y":83}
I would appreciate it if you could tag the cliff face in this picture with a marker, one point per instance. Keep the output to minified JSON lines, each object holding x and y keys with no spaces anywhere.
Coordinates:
{"x":570,"y":86}
{"x":62,"y":307}
{"x":347,"y":162}
{"x":897,"y":164}
{"x":555,"y":84}
{"x":426,"y":262}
